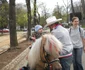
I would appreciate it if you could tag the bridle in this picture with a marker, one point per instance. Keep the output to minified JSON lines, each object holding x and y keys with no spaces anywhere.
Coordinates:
{"x":44,"y":56}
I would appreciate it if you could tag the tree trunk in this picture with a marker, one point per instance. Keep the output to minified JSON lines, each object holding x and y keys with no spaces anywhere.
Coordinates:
{"x":72,"y":7}
{"x":29,"y":18}
{"x":12,"y":24}
{"x":83,"y":7}
{"x":67,"y":11}
{"x":38,"y":17}
{"x":35,"y":20}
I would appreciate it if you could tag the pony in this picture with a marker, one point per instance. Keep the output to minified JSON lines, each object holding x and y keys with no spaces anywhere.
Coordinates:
{"x":44,"y":53}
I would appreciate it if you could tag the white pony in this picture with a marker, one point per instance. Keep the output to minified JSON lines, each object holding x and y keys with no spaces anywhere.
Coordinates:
{"x":52,"y":46}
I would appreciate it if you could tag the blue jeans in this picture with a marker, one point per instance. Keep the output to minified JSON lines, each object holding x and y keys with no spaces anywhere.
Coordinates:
{"x":66,"y":62}
{"x":77,"y":59}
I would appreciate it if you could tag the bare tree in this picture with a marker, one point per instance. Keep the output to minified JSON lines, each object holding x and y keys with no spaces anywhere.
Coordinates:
{"x":44,"y":11}
{"x":12,"y":24}
{"x":38,"y":17}
{"x":57,"y":11}
{"x":72,"y":7}
{"x":29,"y":18}
{"x":66,"y":6}
{"x":35,"y":21}
{"x":83,"y":6}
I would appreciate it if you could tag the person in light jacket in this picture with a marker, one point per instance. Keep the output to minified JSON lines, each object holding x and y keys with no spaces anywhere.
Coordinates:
{"x":62,"y":35}
{"x":77,"y":35}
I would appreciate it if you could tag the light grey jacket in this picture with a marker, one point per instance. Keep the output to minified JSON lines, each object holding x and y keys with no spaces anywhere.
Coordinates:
{"x":62,"y":35}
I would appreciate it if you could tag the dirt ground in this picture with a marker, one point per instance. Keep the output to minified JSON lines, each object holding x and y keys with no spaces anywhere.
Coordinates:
{"x":5,"y":39}
{"x":7,"y":56}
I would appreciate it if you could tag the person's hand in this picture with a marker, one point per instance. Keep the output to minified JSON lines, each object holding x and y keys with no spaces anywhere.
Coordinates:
{"x":33,"y":38}
{"x":84,"y":49}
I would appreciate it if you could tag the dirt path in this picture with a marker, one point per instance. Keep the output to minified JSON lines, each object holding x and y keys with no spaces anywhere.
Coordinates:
{"x":5,"y":40}
{"x":9,"y":55}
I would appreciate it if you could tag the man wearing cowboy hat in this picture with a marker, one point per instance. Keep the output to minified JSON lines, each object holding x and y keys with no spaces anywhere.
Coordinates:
{"x":62,"y":35}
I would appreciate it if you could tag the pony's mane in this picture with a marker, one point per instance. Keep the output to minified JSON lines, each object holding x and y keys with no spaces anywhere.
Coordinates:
{"x":52,"y":46}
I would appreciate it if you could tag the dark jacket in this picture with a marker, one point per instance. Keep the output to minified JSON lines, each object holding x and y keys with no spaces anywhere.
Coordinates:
{"x":36,"y":35}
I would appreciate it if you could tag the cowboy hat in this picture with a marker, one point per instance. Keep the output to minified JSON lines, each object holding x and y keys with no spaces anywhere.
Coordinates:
{"x":52,"y":20}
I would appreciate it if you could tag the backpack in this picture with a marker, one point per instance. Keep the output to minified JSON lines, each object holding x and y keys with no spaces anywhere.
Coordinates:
{"x":79,"y":31}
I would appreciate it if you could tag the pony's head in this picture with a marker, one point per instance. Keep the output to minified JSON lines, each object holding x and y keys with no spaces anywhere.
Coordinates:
{"x":46,"y":45}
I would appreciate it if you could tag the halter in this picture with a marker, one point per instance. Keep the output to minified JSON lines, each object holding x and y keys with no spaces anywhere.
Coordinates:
{"x":44,"y":55}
